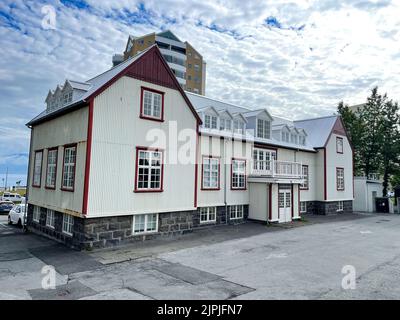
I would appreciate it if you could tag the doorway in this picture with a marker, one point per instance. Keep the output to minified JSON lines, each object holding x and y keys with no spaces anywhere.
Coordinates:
{"x":285,"y":205}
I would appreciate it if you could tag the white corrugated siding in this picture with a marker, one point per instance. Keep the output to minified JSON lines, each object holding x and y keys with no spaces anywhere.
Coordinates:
{"x":117,"y":130}
{"x":66,"y":129}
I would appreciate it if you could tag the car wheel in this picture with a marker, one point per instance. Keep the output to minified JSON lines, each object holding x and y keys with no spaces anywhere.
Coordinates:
{"x":9,"y":220}
{"x":19,"y":224}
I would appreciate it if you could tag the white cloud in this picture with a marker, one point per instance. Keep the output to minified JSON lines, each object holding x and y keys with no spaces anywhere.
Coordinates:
{"x":341,"y":51}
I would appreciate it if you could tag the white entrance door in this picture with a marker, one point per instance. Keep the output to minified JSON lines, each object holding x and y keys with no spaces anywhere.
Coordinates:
{"x":285,"y":205}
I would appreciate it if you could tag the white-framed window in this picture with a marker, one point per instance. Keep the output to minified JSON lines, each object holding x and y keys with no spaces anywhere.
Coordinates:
{"x":340,"y":179}
{"x":68,"y":224}
{"x":68,"y":179}
{"x":340,"y":206}
{"x":145,"y":223}
{"x":208,"y":214}
{"x":238,"y":178}
{"x":210,"y":122}
{"x":285,"y":136}
{"x":225,"y":124}
{"x":339,"y":145}
{"x":65,"y":101}
{"x":149,"y":170}
{"x":263,"y":129}
{"x":37,"y":168}
{"x":305,"y":174}
{"x":302,"y":140}
{"x":210,"y":173}
{"x":36,"y":213}
{"x":236,"y":212}
{"x":152,"y":104}
{"x":262,"y":159}
{"x":303,"y":206}
{"x":50,"y":218}
{"x":293,"y":138}
{"x":51,"y":168}
{"x":239,"y":126}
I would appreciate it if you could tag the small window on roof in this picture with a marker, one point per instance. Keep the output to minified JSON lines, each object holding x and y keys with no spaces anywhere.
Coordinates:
{"x":302,"y":140}
{"x":285,"y":136}
{"x":239,"y":126}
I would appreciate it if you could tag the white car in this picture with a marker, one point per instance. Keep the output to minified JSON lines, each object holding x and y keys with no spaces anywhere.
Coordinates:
{"x":17,"y":215}
{"x":14,"y":197}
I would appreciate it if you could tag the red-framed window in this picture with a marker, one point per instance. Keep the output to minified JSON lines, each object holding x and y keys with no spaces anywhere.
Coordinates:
{"x":37,"y":169}
{"x":152,"y":104}
{"x":238,"y":174}
{"x":149,"y":174}
{"x":51,"y":168}
{"x":339,"y":145}
{"x":69,"y":168}
{"x":305,"y":173}
{"x":340,"y":179}
{"x":210,"y":173}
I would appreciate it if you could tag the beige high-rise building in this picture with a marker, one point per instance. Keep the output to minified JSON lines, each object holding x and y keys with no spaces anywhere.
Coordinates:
{"x":185,"y":61}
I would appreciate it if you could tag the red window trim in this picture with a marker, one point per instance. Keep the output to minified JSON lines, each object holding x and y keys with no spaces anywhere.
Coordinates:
{"x":219,"y":173}
{"x":47,"y":168}
{"x":337,"y":188}
{"x":41,"y":168}
{"x":245,"y":176}
{"x":308,"y":176}
{"x":337,"y":151}
{"x":76,"y":157}
{"x":143,"y":116}
{"x":161,"y":189}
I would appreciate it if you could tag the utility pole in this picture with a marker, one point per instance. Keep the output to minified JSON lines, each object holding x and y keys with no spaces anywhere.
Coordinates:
{"x":5,"y":185}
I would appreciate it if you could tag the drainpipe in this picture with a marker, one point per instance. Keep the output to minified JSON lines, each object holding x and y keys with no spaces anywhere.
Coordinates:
{"x":28,"y":181}
{"x":226,"y":205}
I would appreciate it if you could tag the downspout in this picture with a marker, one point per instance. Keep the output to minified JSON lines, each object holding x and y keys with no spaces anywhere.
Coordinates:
{"x":225,"y":190}
{"x":28,"y":181}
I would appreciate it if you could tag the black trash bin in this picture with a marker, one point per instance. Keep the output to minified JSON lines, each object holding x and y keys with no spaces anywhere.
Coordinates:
{"x":382,"y":205}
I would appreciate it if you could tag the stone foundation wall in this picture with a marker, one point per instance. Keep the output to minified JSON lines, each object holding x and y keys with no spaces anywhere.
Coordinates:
{"x":56,"y":233}
{"x":111,"y":231}
{"x":325,"y":208}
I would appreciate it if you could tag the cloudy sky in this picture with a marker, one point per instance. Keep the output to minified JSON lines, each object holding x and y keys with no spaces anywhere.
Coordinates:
{"x":297,"y":58}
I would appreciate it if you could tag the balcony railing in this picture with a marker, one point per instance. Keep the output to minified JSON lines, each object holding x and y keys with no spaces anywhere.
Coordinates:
{"x":277,"y":168}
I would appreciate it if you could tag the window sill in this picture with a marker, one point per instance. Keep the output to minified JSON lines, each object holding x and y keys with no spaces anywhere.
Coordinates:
{"x":50,"y":188}
{"x":67,"y":233}
{"x":208,"y":222}
{"x":151,"y":118}
{"x":144,"y":233}
{"x":148,"y":190}
{"x":51,"y":227}
{"x":66,"y":189}
{"x":239,"y":218}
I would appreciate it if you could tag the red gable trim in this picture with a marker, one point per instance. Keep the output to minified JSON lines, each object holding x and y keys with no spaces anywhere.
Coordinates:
{"x":150,"y":67}
{"x":338,"y":128}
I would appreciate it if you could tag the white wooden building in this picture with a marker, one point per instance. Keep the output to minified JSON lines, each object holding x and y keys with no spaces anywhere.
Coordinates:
{"x":128,"y":154}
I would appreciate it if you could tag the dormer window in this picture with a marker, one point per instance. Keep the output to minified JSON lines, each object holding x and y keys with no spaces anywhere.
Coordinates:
{"x":225,"y":124}
{"x":239,"y":126}
{"x":210,"y":122}
{"x":293,"y":138}
{"x":285,"y":136}
{"x":263,"y":129}
{"x":302,"y":140}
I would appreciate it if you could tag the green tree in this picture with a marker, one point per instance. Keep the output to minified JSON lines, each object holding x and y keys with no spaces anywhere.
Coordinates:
{"x":355,"y":129}
{"x":375,"y":135}
{"x":371,"y":115}
{"x":390,"y":142}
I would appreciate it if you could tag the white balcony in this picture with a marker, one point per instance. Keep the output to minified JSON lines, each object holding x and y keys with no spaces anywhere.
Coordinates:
{"x":277,"y":168}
